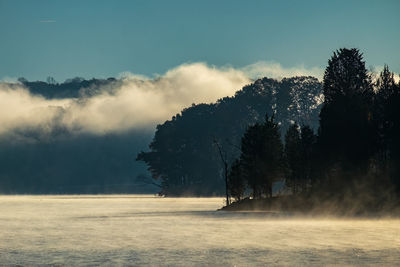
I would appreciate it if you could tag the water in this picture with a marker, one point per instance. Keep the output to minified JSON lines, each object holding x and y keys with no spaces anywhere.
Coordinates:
{"x":146,"y":230}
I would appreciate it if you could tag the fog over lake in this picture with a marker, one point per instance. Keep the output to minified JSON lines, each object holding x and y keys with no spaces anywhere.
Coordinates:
{"x":114,"y":230}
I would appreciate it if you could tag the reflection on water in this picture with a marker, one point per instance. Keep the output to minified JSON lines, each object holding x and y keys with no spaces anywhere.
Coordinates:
{"x":145,"y":230}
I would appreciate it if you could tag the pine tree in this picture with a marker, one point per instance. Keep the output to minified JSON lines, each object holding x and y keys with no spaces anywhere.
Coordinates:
{"x":293,"y":158}
{"x":308,"y":156}
{"x":387,"y":121}
{"x":385,"y":112}
{"x":261,"y":157}
{"x":346,"y":132}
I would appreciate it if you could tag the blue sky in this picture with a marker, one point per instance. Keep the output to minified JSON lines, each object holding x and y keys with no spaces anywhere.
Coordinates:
{"x":90,"y":38}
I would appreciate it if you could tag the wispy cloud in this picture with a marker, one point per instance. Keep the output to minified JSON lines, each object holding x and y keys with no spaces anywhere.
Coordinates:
{"x":47,"y":21}
{"x":275,"y":70}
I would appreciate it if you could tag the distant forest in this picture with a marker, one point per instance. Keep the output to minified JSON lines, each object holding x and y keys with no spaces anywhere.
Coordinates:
{"x":333,"y":139}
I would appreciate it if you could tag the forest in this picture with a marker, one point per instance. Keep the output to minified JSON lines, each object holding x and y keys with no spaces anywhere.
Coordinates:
{"x":334,"y":141}
{"x":184,"y":155}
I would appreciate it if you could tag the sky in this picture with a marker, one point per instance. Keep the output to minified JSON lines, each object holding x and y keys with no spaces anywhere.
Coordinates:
{"x":94,"y":38}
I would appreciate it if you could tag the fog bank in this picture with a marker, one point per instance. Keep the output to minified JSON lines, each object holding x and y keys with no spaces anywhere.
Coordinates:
{"x":135,"y":102}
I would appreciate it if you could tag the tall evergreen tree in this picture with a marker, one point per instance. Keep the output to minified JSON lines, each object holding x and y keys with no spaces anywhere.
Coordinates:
{"x":261,"y":157}
{"x":308,"y":156}
{"x":345,"y":134}
{"x":387,"y":121}
{"x":293,"y":158}
{"x":385,"y":111}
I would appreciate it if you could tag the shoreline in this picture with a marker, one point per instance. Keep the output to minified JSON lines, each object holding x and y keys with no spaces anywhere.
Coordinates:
{"x":306,"y":206}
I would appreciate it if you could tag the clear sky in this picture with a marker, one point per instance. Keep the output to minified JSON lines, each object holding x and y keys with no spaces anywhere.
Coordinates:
{"x":94,"y":38}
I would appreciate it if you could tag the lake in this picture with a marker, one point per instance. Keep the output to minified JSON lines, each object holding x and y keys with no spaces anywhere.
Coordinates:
{"x":119,"y":230}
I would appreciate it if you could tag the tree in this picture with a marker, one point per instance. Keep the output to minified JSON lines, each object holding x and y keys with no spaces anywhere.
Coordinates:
{"x":261,"y":156}
{"x":51,"y":80}
{"x":387,"y":122}
{"x":308,"y":156}
{"x":293,"y":157}
{"x":224,"y":161}
{"x":346,"y":76}
{"x":298,"y":99}
{"x":299,"y":157}
{"x":385,"y":111}
{"x":236,"y":182}
{"x":346,"y":132}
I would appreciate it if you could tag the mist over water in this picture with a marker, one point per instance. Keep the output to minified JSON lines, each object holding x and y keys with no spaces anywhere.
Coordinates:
{"x":146,"y":230}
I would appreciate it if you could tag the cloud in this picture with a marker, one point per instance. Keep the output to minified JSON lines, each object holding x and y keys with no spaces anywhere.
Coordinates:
{"x":136,"y":102}
{"x":47,"y":21}
{"x":19,"y":109}
{"x":275,"y":70}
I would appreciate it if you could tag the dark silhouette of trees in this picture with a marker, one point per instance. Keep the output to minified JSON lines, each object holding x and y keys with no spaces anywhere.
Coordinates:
{"x":224,"y":161}
{"x":300,"y":157}
{"x":293,"y":158}
{"x":236,"y":182}
{"x":356,"y":152}
{"x":183,"y":155}
{"x":51,"y":80}
{"x":385,"y":110}
{"x":387,"y":122}
{"x":262,"y":157}
{"x":346,"y":128}
{"x":70,"y":88}
{"x":298,"y":100}
{"x":309,"y":158}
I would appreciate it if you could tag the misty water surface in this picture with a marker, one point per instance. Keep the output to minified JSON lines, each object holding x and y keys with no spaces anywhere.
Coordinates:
{"x":146,"y":230}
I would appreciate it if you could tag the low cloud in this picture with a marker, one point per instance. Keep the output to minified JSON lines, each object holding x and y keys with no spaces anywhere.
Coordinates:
{"x":275,"y":70}
{"x":137,"y":102}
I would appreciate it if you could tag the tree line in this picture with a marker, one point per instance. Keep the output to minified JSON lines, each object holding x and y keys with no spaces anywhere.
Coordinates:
{"x":355,"y":151}
{"x":330,"y":139}
{"x":184,"y":155}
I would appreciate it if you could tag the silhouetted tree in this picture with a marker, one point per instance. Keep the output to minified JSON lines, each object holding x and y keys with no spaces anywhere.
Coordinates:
{"x":293,"y":157}
{"x":346,"y":129}
{"x":387,"y":122}
{"x":224,"y":160}
{"x":51,"y":80}
{"x":298,"y":99}
{"x":236,"y":184}
{"x":385,"y":111}
{"x":262,"y":157}
{"x":309,"y":161}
